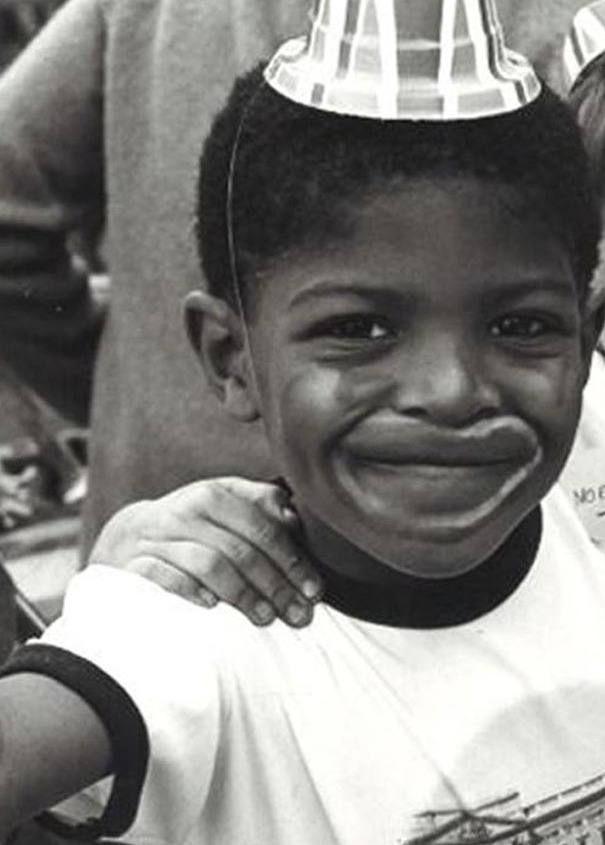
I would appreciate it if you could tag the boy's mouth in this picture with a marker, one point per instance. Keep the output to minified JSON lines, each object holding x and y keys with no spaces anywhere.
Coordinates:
{"x":399,"y":441}
{"x":457,"y":476}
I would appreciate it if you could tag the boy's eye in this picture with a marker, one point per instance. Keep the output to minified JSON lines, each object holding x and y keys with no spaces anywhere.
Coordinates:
{"x":523,"y":326}
{"x":357,"y":327}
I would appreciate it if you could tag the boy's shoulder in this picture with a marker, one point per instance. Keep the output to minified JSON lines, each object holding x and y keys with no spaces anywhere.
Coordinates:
{"x":121,"y":605}
{"x":143,"y":636}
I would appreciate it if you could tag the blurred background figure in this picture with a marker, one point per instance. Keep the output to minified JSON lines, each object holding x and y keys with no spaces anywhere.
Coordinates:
{"x":101,"y":120}
{"x":38,"y":471}
{"x":20,"y":21}
{"x":42,"y":457}
{"x":16,"y":493}
{"x":584,"y":62}
{"x":537,"y":28}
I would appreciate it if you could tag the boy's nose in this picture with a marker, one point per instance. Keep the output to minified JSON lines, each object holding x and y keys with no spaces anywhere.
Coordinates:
{"x":446,"y":382}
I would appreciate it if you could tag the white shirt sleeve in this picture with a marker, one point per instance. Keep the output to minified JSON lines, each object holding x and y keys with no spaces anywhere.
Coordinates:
{"x":161,"y":651}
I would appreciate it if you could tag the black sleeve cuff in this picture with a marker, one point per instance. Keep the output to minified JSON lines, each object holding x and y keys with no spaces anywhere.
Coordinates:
{"x":124,"y":724}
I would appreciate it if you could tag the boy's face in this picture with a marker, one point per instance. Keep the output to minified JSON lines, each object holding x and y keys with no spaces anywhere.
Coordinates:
{"x":420,"y":382}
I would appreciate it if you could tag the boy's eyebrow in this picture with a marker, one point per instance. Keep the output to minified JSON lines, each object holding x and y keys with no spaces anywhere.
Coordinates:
{"x":346,"y":286}
{"x":560,"y":286}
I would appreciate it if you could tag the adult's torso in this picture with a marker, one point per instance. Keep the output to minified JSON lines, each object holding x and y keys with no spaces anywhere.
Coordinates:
{"x":168,"y":69}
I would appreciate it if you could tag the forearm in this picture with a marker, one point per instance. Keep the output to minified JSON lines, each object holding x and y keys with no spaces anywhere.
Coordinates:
{"x":127,"y":648}
{"x":52,"y":745}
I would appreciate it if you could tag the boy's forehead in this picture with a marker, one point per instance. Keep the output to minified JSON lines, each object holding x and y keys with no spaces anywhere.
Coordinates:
{"x":404,"y":236}
{"x":430,"y":209}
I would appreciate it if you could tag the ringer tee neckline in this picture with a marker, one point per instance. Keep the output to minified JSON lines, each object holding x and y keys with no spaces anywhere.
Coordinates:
{"x":439,"y":603}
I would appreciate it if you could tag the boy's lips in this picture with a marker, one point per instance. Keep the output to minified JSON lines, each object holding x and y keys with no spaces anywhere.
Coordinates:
{"x":400,"y":441}
{"x":453,"y":479}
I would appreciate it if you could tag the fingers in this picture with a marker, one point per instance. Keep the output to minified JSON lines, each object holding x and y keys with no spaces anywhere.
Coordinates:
{"x":143,"y":539}
{"x":272,"y":498}
{"x":236,"y":572}
{"x":171,"y":567}
{"x":227,"y":539}
{"x":171,"y":578}
{"x":228,"y":583}
{"x":260,"y":515}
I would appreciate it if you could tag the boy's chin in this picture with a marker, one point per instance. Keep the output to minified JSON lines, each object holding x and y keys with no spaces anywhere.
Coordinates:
{"x":432,"y":537}
{"x":437,"y":557}
{"x":432,"y":548}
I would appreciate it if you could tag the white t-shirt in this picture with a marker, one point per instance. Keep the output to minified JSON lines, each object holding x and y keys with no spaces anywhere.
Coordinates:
{"x":354,"y":733}
{"x":584,"y":474}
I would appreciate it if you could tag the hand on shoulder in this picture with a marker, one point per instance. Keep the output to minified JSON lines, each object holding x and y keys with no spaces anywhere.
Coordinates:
{"x":225,"y":539}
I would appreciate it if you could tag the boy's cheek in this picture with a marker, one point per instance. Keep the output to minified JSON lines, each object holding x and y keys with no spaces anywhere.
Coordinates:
{"x":549,"y":398}
{"x":308,"y":407}
{"x":555,"y":386}
{"x":297,"y":391}
{"x":329,"y":397}
{"x":305,"y":413}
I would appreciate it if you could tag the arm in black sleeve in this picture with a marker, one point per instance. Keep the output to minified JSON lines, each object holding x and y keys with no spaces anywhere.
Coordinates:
{"x":115,"y":711}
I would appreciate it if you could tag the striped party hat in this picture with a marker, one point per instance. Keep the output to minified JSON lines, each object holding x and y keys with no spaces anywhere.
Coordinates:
{"x":404,"y":59}
{"x":585,"y":41}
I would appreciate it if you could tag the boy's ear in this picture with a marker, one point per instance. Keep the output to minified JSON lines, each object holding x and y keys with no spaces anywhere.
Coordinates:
{"x":218,"y":338}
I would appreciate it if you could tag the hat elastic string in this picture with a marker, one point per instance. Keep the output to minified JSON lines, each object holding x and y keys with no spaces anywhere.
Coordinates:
{"x":236,"y":284}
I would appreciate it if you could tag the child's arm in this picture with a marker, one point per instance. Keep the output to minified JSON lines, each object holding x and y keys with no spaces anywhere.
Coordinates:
{"x":151,"y":667}
{"x":228,"y":539}
{"x":52,"y":744}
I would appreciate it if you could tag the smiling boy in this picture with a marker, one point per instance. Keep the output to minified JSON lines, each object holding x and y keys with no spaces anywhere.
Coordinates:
{"x":438,"y":386}
{"x":407,"y":305}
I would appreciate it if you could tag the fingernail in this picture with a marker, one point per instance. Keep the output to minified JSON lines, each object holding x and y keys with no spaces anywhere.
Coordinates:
{"x":297,"y":614}
{"x":288,"y":513}
{"x":311,"y":589}
{"x":207,"y":598}
{"x":264,"y":611}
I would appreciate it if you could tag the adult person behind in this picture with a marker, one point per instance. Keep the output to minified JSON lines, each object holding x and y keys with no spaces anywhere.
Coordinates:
{"x":20,"y":21}
{"x":105,"y":111}
{"x":103,"y":114}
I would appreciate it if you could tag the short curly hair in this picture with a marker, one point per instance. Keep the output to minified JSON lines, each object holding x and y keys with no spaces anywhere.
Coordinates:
{"x":298,"y":171}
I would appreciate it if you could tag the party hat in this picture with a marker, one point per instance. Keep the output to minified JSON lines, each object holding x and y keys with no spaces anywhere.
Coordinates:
{"x":404,"y":59}
{"x":585,"y":41}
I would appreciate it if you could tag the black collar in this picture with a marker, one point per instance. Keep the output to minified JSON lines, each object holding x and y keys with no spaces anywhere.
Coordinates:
{"x":440,"y":603}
